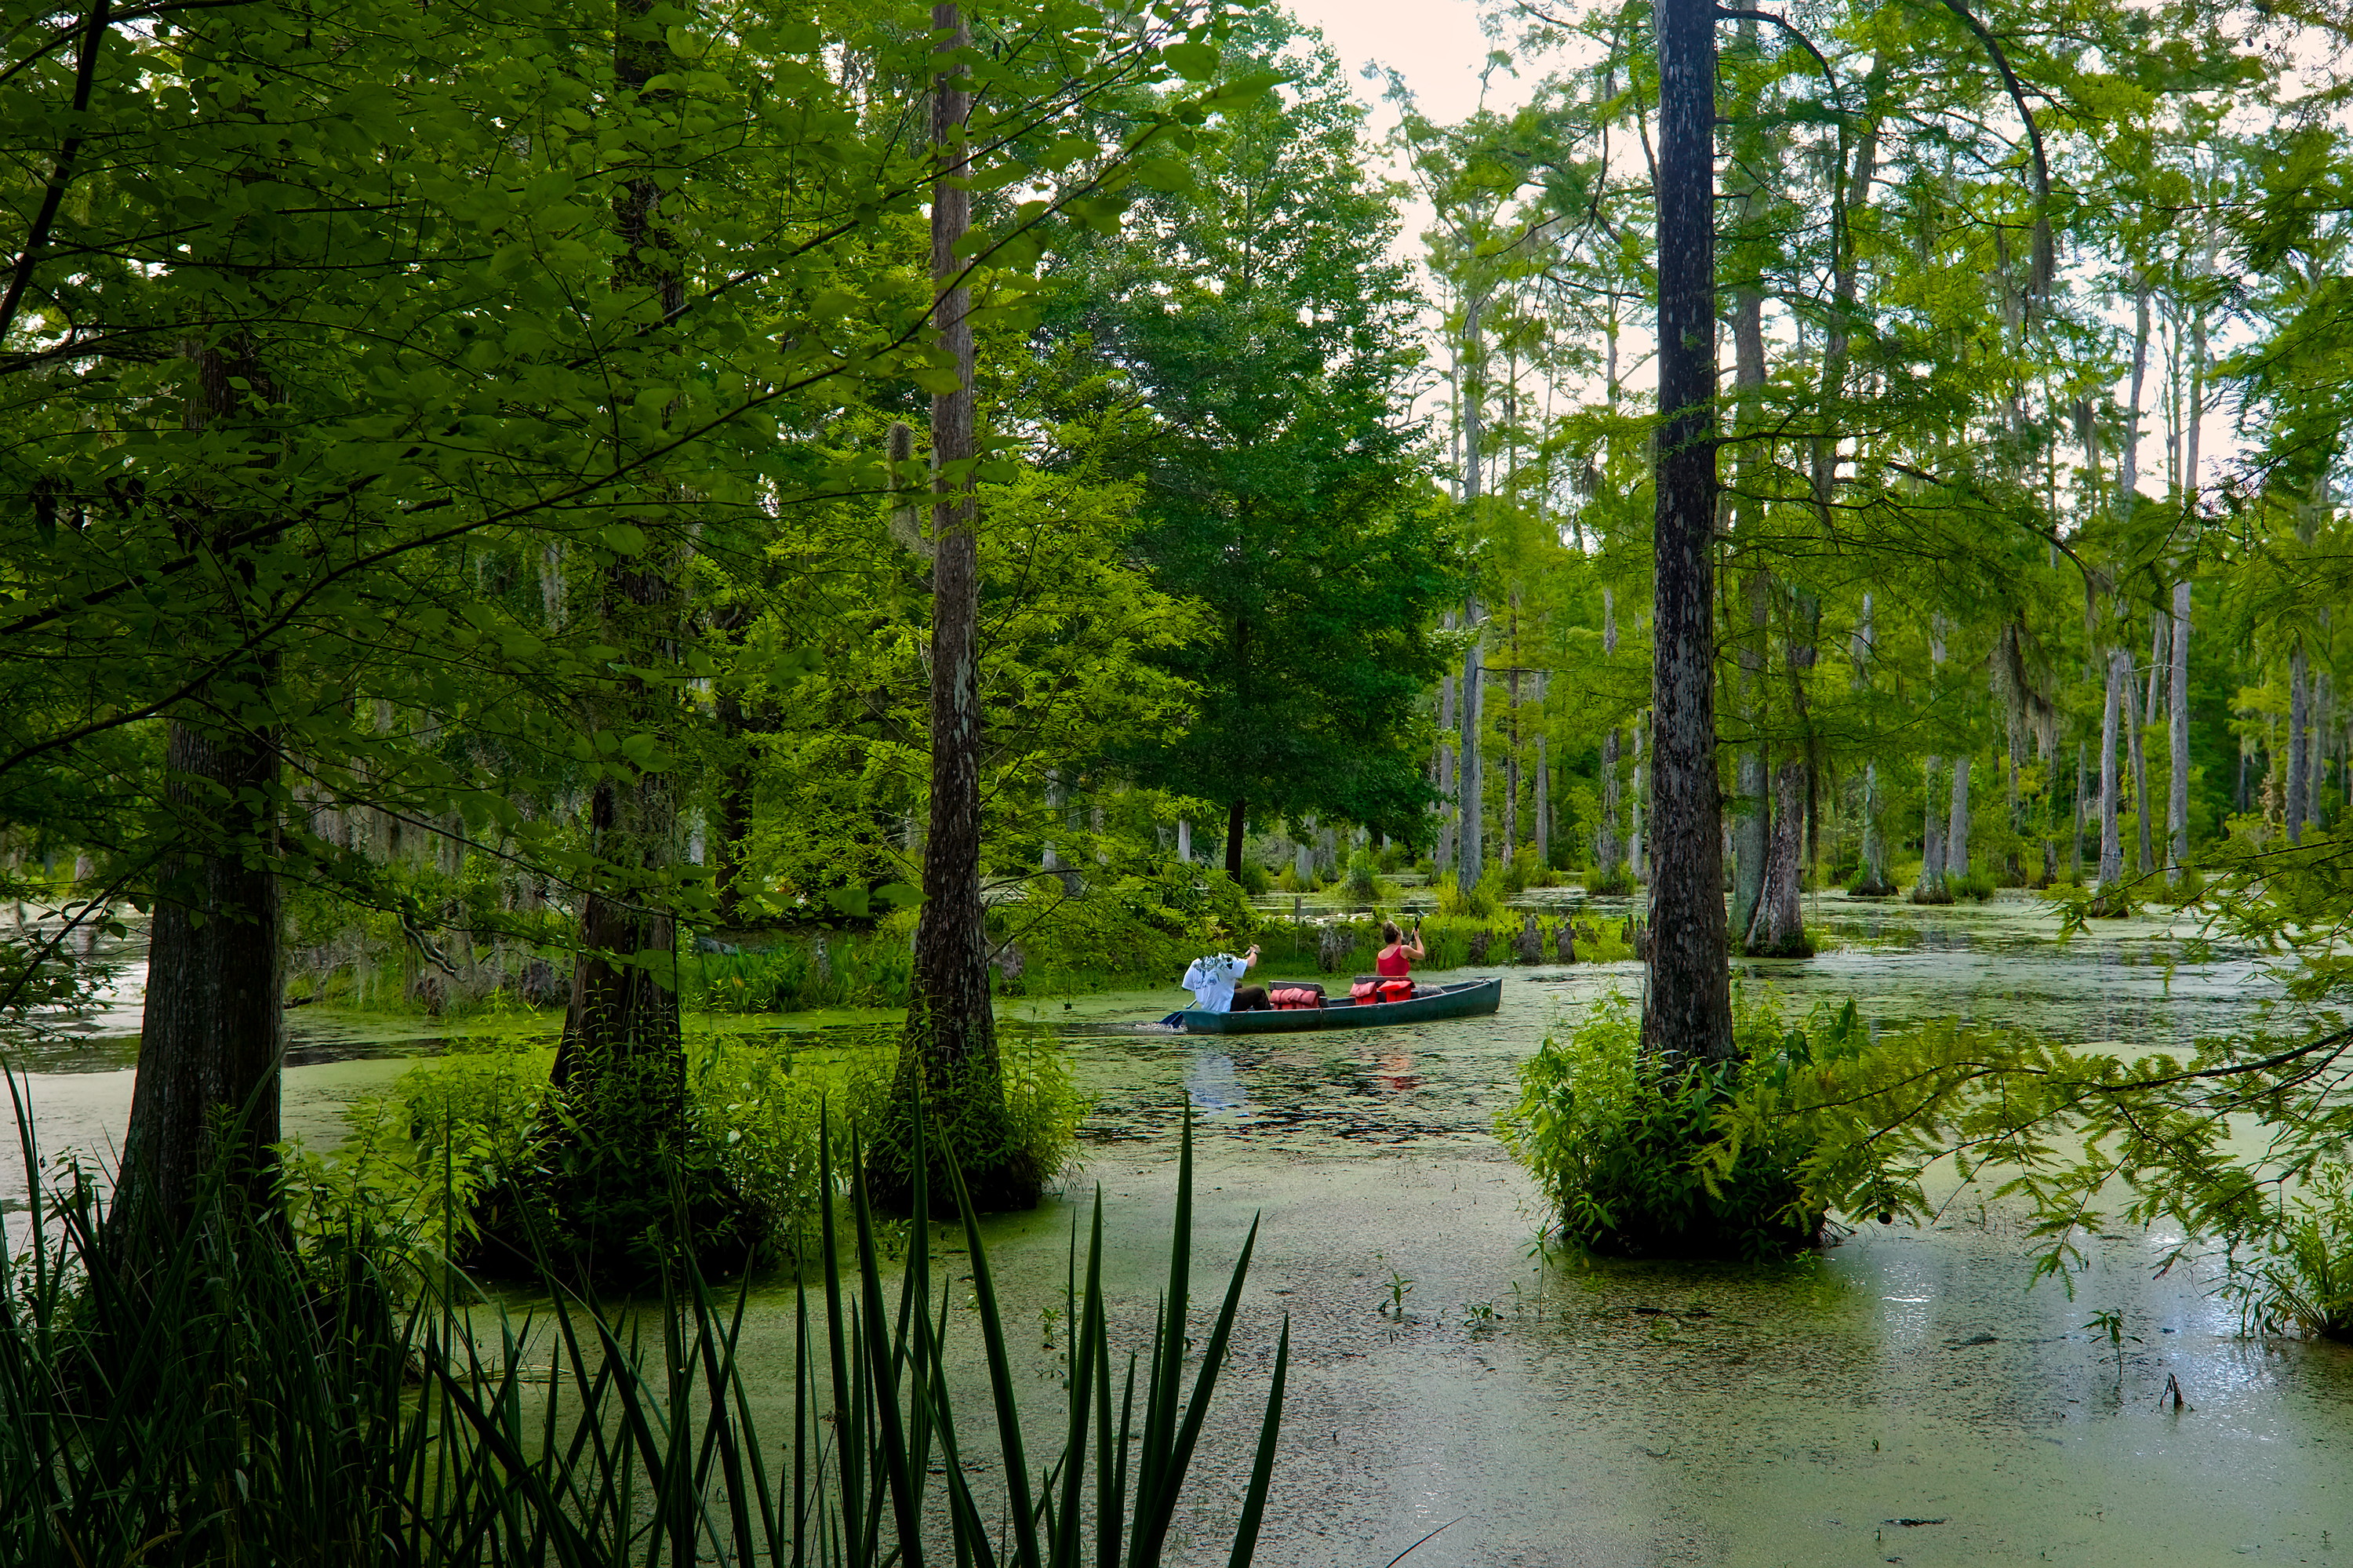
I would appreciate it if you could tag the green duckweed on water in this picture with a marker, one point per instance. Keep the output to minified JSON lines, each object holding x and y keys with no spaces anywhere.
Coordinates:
{"x":1904,"y":1394}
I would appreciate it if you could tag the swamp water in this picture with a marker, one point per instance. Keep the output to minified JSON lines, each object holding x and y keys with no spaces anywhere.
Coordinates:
{"x":1903,"y":1397}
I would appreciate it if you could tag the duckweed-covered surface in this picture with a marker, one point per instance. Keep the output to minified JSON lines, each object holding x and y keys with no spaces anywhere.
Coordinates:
{"x":1904,"y":1397}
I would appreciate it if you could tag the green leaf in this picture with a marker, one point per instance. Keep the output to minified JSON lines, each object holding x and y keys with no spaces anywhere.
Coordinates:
{"x":1193,"y":61}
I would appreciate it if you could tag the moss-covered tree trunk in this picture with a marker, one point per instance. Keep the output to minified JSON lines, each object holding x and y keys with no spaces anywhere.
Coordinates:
{"x":948,"y":1064}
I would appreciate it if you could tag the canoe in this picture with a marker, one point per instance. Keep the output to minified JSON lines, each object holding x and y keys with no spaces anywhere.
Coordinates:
{"x":1464,"y":999}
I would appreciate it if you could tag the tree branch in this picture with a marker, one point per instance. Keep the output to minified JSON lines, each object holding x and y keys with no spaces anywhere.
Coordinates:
{"x":62,"y":175}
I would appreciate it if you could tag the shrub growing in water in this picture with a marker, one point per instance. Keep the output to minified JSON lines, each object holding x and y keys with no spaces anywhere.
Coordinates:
{"x":2306,"y":1279}
{"x":442,"y":1163}
{"x":1643,"y":1159}
{"x":1481,"y":903}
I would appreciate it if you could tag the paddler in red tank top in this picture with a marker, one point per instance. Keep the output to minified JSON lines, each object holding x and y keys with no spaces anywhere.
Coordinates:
{"x":1395,"y":962}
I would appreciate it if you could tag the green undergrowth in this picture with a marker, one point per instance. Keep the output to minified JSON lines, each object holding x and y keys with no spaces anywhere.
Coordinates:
{"x":1350,"y":946}
{"x":430,"y":1166}
{"x":1111,"y":933}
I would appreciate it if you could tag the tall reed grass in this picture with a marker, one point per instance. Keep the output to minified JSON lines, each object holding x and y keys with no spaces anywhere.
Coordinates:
{"x":245,"y":1393}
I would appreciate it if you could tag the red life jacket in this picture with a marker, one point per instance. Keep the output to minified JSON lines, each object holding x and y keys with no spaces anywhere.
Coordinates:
{"x":1296,"y":995}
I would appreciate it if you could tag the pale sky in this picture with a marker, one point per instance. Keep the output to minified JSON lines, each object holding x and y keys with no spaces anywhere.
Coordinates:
{"x":1435,"y":42}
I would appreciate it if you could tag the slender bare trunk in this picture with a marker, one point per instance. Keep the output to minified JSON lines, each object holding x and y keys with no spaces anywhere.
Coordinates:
{"x":1473,"y":804}
{"x":2128,"y":461}
{"x":2112,"y":851}
{"x":1874,"y":883}
{"x":2178,"y":802}
{"x":1544,"y":781}
{"x":1471,"y":845}
{"x":1932,"y":838}
{"x":2146,"y":860}
{"x":1608,"y":854}
{"x":2298,"y":719}
{"x":1447,"y":783}
{"x":2318,"y":702}
{"x":1874,"y":842}
{"x":1510,"y":845}
{"x":2083,"y":786}
{"x":1957,"y":839}
{"x":1753,"y":810}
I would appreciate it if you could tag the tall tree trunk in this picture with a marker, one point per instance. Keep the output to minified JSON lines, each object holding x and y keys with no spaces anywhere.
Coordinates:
{"x":2177,"y":800}
{"x":1637,"y":866}
{"x":2146,"y":862}
{"x":1874,"y":883}
{"x":2318,"y":701}
{"x":2112,"y":849}
{"x":211,"y":1033}
{"x":1544,"y":781}
{"x":732,"y":815}
{"x":1185,"y":839}
{"x":1687,"y":1009}
{"x":1470,"y":846}
{"x":2128,"y":460}
{"x":1753,"y":812}
{"x":1510,"y":845}
{"x":1609,"y":855}
{"x":620,"y":1066}
{"x":1449,"y":782}
{"x":1957,"y":836}
{"x":1472,"y":805}
{"x":2083,"y":784}
{"x":948,"y":1063}
{"x":1932,"y":838}
{"x":1237,"y":818}
{"x":1781,"y":913}
{"x":2298,"y":717}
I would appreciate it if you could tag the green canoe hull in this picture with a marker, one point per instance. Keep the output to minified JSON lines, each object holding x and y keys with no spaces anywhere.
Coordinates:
{"x":1466,"y":999}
